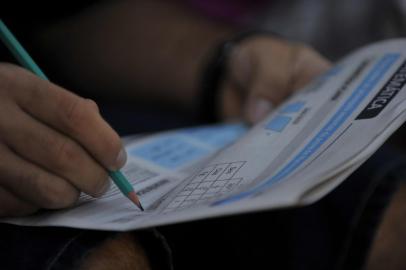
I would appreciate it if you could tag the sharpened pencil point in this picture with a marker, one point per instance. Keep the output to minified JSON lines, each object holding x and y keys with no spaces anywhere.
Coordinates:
{"x":134,"y":198}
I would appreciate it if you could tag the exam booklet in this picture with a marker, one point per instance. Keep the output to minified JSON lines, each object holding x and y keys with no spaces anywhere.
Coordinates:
{"x":301,"y":151}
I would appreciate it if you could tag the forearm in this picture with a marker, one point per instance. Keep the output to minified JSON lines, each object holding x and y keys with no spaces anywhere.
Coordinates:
{"x":144,"y":49}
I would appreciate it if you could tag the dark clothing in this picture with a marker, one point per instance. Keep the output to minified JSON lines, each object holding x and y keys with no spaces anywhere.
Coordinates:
{"x":52,"y":248}
{"x":334,"y":233}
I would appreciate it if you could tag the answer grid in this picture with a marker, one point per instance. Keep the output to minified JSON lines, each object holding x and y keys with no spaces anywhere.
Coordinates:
{"x":209,"y":182}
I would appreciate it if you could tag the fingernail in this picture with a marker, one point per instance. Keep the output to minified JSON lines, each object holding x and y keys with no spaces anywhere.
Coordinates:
{"x":121,"y":159}
{"x":261,"y":107}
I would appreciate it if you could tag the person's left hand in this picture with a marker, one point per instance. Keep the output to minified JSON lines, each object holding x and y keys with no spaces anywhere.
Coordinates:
{"x":262,"y":72}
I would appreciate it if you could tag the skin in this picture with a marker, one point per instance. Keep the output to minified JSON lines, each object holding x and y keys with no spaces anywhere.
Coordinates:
{"x":120,"y":252}
{"x":387,"y":251}
{"x":263,"y":72}
{"x":54,"y":144}
{"x":50,"y":145}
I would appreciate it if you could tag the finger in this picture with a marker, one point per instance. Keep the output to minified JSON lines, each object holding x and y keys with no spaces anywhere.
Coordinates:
{"x":270,"y":65}
{"x":256,"y":108}
{"x":264,"y":95}
{"x":55,"y":152}
{"x":242,"y":66}
{"x":77,"y":117}
{"x":286,"y":68}
{"x":231,"y":101}
{"x":268,"y":88}
{"x":34,"y":184}
{"x":308,"y":65}
{"x":12,"y":206}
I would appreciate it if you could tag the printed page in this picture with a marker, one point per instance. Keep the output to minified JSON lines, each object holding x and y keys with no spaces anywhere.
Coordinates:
{"x":300,"y":152}
{"x":329,"y":128}
{"x":155,"y":165}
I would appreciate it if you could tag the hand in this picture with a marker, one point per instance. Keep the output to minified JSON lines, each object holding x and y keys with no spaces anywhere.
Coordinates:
{"x":264,"y":71}
{"x":53,"y":145}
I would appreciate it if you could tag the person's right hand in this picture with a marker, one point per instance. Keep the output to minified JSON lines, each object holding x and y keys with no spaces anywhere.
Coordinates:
{"x":53,"y":145}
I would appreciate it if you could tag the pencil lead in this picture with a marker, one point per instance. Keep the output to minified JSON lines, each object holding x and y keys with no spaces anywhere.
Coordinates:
{"x":134,"y":198}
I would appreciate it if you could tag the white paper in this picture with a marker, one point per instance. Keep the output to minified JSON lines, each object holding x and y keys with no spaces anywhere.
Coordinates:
{"x":300,"y":152}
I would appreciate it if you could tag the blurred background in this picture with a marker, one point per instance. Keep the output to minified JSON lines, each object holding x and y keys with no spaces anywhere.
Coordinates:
{"x":333,"y":27}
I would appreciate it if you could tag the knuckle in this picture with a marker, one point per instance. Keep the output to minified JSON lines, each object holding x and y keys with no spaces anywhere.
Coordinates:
{"x":56,"y":194}
{"x":303,"y":48}
{"x":93,"y":105}
{"x":66,"y":152}
{"x":28,"y":178}
{"x":98,"y":184}
{"x":48,"y":193}
{"x":114,"y":146}
{"x":305,"y":51}
{"x":74,"y":113}
{"x":69,"y":198}
{"x":306,"y":48}
{"x":36,"y":89}
{"x":45,"y":194}
{"x":299,"y":51}
{"x":307,"y":62}
{"x":8,"y":76}
{"x":49,"y":200}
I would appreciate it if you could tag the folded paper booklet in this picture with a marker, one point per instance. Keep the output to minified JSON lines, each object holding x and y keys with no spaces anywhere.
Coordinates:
{"x":300,"y":152}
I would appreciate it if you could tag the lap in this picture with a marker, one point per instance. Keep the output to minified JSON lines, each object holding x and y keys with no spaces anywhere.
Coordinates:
{"x":319,"y":236}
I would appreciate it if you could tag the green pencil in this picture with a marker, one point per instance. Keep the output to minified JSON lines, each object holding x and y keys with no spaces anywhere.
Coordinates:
{"x":26,"y":61}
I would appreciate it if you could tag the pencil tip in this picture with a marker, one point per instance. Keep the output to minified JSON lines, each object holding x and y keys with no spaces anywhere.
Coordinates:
{"x":134,"y":198}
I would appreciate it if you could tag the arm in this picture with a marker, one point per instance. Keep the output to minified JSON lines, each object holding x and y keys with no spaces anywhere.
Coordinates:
{"x":154,"y":50}
{"x":149,"y":50}
{"x":162,"y":63}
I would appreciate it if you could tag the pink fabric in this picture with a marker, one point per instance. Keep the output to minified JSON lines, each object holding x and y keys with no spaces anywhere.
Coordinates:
{"x":235,"y":11}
